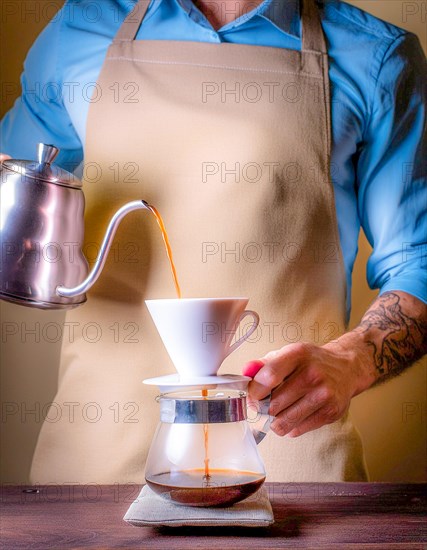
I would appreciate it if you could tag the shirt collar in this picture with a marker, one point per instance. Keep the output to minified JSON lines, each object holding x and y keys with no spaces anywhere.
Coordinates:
{"x":283,"y":14}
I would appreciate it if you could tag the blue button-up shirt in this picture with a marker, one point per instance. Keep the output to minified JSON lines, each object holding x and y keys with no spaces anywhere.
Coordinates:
{"x":378,"y":82}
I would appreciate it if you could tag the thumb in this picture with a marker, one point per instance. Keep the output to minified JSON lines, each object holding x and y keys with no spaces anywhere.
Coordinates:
{"x":4,"y":157}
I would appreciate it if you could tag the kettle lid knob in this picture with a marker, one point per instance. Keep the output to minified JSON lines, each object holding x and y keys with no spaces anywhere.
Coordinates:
{"x":46,"y":154}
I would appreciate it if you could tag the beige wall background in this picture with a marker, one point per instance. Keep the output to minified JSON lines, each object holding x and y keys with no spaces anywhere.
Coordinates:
{"x":391,"y":418}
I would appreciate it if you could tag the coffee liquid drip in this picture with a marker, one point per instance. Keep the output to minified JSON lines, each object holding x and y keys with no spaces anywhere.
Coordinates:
{"x":206,"y":477}
{"x":165,"y":237}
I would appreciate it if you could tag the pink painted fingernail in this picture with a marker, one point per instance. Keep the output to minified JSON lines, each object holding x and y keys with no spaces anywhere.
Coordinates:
{"x":251,"y":368}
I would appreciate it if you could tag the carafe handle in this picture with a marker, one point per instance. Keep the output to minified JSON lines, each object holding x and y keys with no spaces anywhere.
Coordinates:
{"x":260,"y":424}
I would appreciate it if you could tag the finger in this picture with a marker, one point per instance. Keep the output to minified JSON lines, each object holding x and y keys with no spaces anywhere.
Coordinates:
{"x":252,"y":367}
{"x":288,"y":392}
{"x":256,"y":392}
{"x":277,"y":366}
{"x":293,"y":417}
{"x":4,"y":157}
{"x":312,"y":422}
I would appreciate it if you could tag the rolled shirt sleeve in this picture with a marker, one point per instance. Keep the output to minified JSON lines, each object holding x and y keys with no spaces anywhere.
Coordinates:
{"x":38,"y":115}
{"x":391,"y":172}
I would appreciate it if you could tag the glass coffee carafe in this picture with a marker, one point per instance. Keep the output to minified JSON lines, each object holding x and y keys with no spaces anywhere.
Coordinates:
{"x":203,"y":452}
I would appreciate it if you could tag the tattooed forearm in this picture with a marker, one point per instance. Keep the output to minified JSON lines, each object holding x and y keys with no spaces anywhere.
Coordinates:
{"x":395,"y":329}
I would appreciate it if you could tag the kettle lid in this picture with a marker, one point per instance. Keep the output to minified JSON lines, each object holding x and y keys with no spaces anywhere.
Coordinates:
{"x":42,"y":169}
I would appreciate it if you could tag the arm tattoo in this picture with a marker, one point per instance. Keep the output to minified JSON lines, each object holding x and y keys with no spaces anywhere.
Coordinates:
{"x":400,"y":339}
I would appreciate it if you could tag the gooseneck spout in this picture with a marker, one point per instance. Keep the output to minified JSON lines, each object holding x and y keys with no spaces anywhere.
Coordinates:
{"x":103,"y":253}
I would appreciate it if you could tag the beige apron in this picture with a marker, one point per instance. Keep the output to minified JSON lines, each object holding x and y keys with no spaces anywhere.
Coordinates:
{"x":232,"y":144}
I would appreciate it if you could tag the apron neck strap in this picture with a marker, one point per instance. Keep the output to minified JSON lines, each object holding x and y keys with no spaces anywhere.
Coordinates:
{"x":313,"y":38}
{"x":129,"y":29}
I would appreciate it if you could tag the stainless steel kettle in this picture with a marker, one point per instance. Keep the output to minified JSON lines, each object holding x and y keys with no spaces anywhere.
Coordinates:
{"x":41,"y":234}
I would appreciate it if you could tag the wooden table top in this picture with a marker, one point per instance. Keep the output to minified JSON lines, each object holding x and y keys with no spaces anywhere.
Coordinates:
{"x":308,"y":515}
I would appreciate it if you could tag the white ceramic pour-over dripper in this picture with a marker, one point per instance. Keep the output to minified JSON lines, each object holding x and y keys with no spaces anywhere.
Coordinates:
{"x":197,"y":332}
